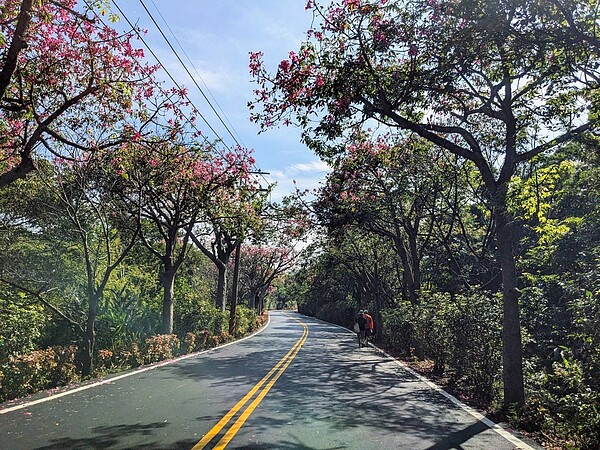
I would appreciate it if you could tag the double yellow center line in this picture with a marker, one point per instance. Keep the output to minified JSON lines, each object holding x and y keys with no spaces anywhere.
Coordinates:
{"x":268,"y":381}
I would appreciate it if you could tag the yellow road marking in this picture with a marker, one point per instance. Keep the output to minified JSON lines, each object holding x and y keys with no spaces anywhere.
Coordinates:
{"x":282,"y":366}
{"x":244,"y":416}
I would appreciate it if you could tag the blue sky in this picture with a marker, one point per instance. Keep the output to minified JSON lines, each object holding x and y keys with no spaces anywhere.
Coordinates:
{"x":217,"y":36}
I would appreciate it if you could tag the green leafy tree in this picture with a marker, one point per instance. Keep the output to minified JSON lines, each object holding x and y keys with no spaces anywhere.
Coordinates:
{"x":462,"y":75}
{"x":396,"y":191}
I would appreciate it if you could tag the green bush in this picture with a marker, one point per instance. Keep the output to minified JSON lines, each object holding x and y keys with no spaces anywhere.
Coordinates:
{"x":562,"y":405}
{"x":20,"y":328}
{"x":160,"y":347}
{"x":124,"y":320}
{"x":476,"y":343}
{"x":200,"y":315}
{"x":398,"y":329}
{"x":127,"y":356}
{"x":41,"y":369}
{"x":433,"y":331}
{"x":246,"y":321}
{"x":457,"y":332}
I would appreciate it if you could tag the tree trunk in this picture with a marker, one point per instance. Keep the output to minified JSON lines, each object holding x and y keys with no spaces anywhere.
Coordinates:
{"x":512,"y":350}
{"x":378,"y":317}
{"x":221,"y":286}
{"x":18,"y":43}
{"x":415,"y":264}
{"x":89,"y":341}
{"x":234,"y":292}
{"x":252,"y":299}
{"x":168,"y":295}
{"x":409,"y":289}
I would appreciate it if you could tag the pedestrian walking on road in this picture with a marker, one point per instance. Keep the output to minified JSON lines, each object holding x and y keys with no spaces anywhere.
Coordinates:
{"x":370,"y":324}
{"x":360,"y":324}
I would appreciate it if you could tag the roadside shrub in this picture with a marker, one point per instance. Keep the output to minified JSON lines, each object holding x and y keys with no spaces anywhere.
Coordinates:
{"x":161,"y":347}
{"x":461,"y":334}
{"x":398,"y":329}
{"x":200,"y":315}
{"x":203,"y":340}
{"x":105,"y":360}
{"x":476,"y":345}
{"x":259,"y":321}
{"x":128,"y":356}
{"x":20,"y":328}
{"x":432,"y":329}
{"x":219,"y":322}
{"x":246,"y":320}
{"x":41,"y":369}
{"x":561,"y":405}
{"x":222,"y":338}
{"x":125,"y":319}
{"x":188,"y":344}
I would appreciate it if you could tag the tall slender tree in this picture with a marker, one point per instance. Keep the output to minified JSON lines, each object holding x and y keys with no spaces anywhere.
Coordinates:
{"x":227,"y":218}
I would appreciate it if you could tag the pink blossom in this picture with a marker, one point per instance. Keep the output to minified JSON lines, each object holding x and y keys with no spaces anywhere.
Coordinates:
{"x":285,"y":65}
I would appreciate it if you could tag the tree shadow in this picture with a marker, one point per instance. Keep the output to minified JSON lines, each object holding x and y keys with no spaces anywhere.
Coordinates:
{"x":363,"y":389}
{"x":112,"y":437}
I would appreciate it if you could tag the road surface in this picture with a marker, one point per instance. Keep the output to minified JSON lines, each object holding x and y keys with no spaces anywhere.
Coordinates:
{"x":298,"y":384}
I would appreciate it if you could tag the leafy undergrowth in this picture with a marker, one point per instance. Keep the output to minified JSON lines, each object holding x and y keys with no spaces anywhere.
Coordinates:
{"x":555,"y":435}
{"x":56,"y":367}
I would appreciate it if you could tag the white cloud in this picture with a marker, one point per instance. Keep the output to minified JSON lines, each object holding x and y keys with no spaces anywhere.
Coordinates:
{"x":314,"y":166}
{"x":297,"y":176}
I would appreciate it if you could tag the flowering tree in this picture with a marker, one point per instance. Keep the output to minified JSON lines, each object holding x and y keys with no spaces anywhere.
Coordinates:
{"x":229,"y":216}
{"x":260,"y":266}
{"x":65,"y":77}
{"x":173,"y":179}
{"x":493,"y":82}
{"x":394,"y":191}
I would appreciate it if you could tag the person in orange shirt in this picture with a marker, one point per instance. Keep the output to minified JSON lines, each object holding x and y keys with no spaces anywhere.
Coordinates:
{"x":370,"y":325}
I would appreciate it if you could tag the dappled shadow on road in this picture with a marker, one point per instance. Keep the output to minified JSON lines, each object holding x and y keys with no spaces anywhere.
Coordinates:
{"x":232,"y":368}
{"x":112,"y":437}
{"x":336,"y":388}
{"x":331,"y":388}
{"x":454,"y":440}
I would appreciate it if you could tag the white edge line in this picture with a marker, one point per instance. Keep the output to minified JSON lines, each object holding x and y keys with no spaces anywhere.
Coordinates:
{"x":128,"y":374}
{"x":494,"y":426}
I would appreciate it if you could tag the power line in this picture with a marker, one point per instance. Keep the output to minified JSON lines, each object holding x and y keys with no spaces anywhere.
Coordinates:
{"x":188,"y":120}
{"x":188,"y":71}
{"x":196,"y":71}
{"x":171,"y":77}
{"x":134,"y":28}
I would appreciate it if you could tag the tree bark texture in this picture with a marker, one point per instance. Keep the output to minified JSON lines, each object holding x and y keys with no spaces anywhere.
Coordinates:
{"x":168,"y":299}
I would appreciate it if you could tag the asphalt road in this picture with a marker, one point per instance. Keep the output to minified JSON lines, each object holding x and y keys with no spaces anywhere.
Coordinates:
{"x":298,"y":384}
